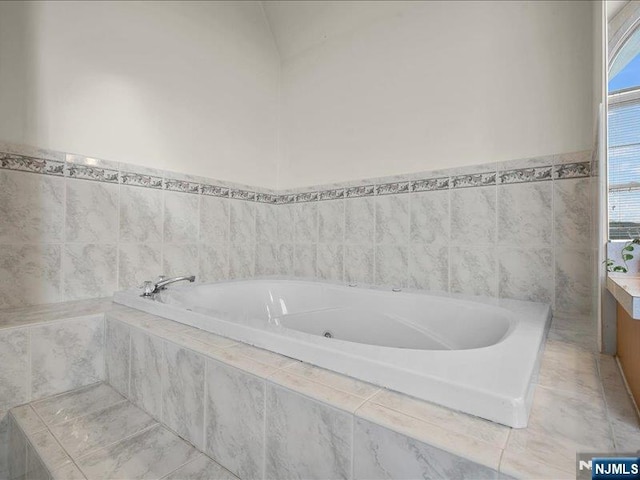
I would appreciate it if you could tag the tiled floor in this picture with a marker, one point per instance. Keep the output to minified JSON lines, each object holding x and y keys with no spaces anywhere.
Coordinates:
{"x":95,"y":433}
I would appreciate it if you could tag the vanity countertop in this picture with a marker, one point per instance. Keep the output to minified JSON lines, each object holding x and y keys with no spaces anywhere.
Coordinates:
{"x":626,"y":290}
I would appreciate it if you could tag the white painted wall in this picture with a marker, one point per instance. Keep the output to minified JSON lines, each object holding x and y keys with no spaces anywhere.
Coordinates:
{"x":185,"y":86}
{"x":431,"y":85}
{"x":366,"y":88}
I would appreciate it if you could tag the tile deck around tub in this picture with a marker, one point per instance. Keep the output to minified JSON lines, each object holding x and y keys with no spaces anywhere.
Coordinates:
{"x":94,"y":433}
{"x":580,"y":405}
{"x":570,"y":413}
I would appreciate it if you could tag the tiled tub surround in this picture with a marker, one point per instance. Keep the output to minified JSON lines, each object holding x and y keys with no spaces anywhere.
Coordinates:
{"x":476,"y":355}
{"x":250,"y":409}
{"x":46,"y":350}
{"x":95,"y":433}
{"x":247,"y":408}
{"x":73,"y":227}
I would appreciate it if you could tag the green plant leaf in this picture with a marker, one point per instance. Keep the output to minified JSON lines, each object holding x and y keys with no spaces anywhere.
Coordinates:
{"x":628,"y":248}
{"x":627,"y":256}
{"x":618,"y":268}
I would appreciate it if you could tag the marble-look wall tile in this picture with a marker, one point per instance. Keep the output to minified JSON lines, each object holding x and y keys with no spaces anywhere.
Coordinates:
{"x":266,"y":223}
{"x":83,"y":435}
{"x":4,"y":444}
{"x":526,"y":274}
{"x":67,"y":355}
{"x":162,"y":450}
{"x":214,"y":219}
{"x":117,"y":355}
{"x":74,"y":404}
{"x":391,"y":265}
{"x":473,"y":215}
{"x":573,"y":281}
{"x":305,"y":218}
{"x":202,"y":468}
{"x":326,"y":451}
{"x":29,"y":274}
{"x":242,"y":260}
{"x":141,"y":218}
{"x":17,"y":451}
{"x":474,"y":270}
{"x":285,"y":219}
{"x":559,"y":425}
{"x":92,"y":212}
{"x":266,"y":259}
{"x":28,"y":419}
{"x":525,"y":214}
{"x":331,"y":221}
{"x":235,"y":419}
{"x":304,"y":261}
{"x":572,"y":212}
{"x":68,"y":471}
{"x":47,"y":449}
{"x":330,"y":261}
{"x":429,"y":267}
{"x":89,"y":270}
{"x":285,"y":259}
{"x":181,"y":217}
{"x":146,"y":363}
{"x":429,"y":221}
{"x":359,"y":220}
{"x":183,"y":393}
{"x":214,"y":262}
{"x":358,"y":263}
{"x":380,"y":453}
{"x":31,"y":207}
{"x":180,"y":260}
{"x":14,"y":367}
{"x":243,"y":221}
{"x":138,"y":263}
{"x":392,"y":219}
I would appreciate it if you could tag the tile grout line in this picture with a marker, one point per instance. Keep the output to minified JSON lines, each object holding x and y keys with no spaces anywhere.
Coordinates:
{"x":264,"y":428}
{"x":105,"y":447}
{"x":29,"y":376}
{"x":606,"y":405}
{"x":63,"y":245}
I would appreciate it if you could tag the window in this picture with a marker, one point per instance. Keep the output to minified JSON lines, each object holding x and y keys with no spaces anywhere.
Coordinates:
{"x":624,"y":142}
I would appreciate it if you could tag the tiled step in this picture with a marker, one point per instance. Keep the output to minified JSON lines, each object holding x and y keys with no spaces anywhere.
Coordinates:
{"x":95,"y":433}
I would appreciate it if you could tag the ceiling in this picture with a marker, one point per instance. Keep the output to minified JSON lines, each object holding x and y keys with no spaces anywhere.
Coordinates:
{"x":300,"y":25}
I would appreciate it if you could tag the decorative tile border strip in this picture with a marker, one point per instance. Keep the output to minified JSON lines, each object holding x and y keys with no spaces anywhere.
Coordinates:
{"x":474,"y":180}
{"x":214,"y":190}
{"x":572,"y":170}
{"x":10,"y":161}
{"x":391,"y":188}
{"x":266,"y":198}
{"x":362,"y":191}
{"x":242,"y":195}
{"x":181,"y":186}
{"x":430,"y":184}
{"x":86,"y":172}
{"x":331,"y":194}
{"x":523,"y":175}
{"x":307,"y":197}
{"x":140,"y":180}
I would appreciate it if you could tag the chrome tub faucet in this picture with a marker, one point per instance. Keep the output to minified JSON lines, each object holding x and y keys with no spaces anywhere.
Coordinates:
{"x":151,"y":288}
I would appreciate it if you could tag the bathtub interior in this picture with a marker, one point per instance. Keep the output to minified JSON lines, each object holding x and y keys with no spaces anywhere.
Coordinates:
{"x":399,"y":320}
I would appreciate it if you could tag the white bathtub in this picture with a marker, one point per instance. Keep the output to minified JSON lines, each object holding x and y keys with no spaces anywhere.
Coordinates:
{"x":465,"y":354}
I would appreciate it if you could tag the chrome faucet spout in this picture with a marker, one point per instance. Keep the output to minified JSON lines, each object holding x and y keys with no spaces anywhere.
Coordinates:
{"x":150,"y":288}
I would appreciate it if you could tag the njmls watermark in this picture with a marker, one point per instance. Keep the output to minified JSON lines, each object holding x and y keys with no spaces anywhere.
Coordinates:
{"x":608,"y":466}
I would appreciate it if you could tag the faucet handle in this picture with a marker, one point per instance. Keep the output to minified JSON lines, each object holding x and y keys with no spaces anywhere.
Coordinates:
{"x":147,"y":288}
